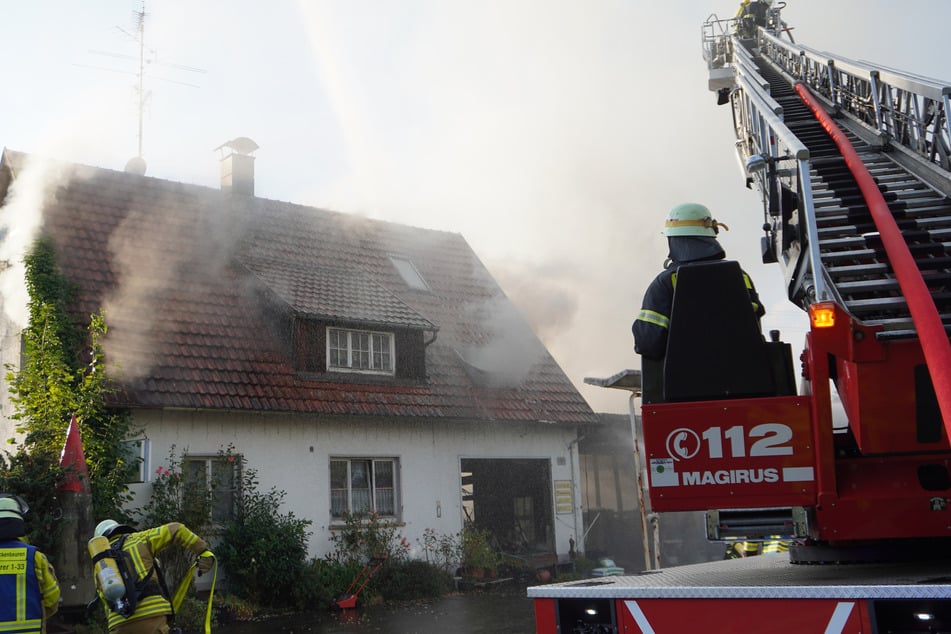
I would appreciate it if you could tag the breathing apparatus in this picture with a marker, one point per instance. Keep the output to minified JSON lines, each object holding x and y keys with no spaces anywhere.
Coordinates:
{"x":108,"y":575}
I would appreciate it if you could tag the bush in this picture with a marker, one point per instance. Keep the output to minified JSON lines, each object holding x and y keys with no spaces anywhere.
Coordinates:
{"x":476,"y":549}
{"x":321,"y":581}
{"x":584,"y":566}
{"x":177,"y":498}
{"x":35,"y":477}
{"x":229,"y":608}
{"x":443,"y":550}
{"x":365,"y":536}
{"x":263,"y":550}
{"x":191,"y":615}
{"x":411,"y":579}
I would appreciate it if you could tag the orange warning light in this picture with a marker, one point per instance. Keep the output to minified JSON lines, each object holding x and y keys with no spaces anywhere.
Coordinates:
{"x":822,"y":315}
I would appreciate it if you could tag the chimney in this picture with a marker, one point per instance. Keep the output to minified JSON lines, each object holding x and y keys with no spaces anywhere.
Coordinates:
{"x":237,"y":166}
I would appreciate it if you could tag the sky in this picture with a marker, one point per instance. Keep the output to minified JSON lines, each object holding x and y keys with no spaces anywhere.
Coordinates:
{"x":553,"y":135}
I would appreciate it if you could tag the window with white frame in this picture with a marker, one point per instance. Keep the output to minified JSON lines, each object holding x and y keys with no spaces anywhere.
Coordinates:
{"x":360,"y":351}
{"x":137,"y":453}
{"x":212,"y":481}
{"x":363,"y":485}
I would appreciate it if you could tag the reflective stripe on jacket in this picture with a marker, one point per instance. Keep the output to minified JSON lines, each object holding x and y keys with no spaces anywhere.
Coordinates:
{"x":775,"y":546}
{"x":140,"y":550}
{"x":653,"y":321}
{"x":21,"y":609}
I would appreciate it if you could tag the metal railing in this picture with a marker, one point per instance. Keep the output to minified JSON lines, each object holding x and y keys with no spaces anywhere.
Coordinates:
{"x":761,"y":131}
{"x":903,"y":108}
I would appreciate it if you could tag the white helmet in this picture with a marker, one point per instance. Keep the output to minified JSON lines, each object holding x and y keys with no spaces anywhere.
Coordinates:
{"x":108,"y":528}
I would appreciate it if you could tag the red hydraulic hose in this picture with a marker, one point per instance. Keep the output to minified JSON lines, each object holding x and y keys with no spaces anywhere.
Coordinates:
{"x":924,"y":313}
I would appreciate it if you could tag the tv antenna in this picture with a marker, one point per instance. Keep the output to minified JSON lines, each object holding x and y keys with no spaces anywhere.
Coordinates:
{"x":146,"y":57}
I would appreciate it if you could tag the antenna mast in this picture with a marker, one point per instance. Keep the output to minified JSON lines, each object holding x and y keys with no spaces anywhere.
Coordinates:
{"x":140,"y":33}
{"x":137,"y":163}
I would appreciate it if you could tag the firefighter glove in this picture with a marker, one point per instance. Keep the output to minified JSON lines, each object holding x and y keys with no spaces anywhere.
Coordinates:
{"x":205,"y":562}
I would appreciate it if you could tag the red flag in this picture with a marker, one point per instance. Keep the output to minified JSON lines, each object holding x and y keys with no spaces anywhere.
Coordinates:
{"x":72,"y":458}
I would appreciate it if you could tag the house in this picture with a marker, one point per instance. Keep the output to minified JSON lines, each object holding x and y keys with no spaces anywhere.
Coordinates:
{"x":356,"y":364}
{"x":612,"y":505}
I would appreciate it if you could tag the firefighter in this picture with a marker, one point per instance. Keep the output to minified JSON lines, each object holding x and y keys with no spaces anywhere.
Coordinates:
{"x":153,"y":606}
{"x":28,"y":586}
{"x":775,"y":545}
{"x":750,"y":15}
{"x":739,"y":550}
{"x":692,"y":237}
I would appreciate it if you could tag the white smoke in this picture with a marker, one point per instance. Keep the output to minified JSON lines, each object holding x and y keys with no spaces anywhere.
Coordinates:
{"x":509,"y":350}
{"x":21,"y":219}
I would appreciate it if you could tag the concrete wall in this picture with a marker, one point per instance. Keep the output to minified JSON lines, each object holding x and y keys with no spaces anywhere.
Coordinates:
{"x":292,"y":453}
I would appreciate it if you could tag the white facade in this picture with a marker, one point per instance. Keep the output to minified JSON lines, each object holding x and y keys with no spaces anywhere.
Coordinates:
{"x":293,"y":453}
{"x":10,"y":345}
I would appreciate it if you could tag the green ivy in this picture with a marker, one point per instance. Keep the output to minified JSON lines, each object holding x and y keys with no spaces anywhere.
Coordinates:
{"x":62,"y":374}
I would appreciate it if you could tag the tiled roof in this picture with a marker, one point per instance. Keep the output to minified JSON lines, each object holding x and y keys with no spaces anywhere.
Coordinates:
{"x":179,"y":269}
{"x":335,"y":293}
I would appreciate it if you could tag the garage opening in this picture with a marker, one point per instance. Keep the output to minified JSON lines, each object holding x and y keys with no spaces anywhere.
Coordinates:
{"x":512,"y":500}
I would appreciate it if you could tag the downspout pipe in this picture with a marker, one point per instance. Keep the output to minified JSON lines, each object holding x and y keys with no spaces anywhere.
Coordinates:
{"x":924,"y":313}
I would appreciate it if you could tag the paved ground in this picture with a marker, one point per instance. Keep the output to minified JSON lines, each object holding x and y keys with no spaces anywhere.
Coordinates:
{"x":469,"y":613}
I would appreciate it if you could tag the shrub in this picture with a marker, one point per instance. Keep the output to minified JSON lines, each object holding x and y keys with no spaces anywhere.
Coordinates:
{"x":35,"y":477}
{"x":264,"y":550}
{"x":476,"y":548}
{"x":229,"y":608}
{"x":444,"y":550}
{"x":322,"y":580}
{"x":584,"y":566}
{"x":364,"y":536}
{"x":191,"y":615}
{"x":412,"y":579}
{"x":177,"y":499}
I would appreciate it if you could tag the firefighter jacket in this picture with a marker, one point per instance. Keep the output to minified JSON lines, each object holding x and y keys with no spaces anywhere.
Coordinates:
{"x":775,"y":546}
{"x":139,"y":551}
{"x":653,"y":321}
{"x":29,"y":591}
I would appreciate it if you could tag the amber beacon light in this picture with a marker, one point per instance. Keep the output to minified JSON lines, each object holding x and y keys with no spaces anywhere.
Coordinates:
{"x":822,"y":315}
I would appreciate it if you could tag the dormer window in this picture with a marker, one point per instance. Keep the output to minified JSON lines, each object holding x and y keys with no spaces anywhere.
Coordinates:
{"x":362,"y":351}
{"x":409,"y":273}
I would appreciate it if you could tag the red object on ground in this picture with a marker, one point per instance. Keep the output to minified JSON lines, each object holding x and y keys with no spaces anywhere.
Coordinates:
{"x":348,"y":599}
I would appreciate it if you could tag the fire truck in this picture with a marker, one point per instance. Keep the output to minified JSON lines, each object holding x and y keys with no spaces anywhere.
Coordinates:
{"x":844,"y":452}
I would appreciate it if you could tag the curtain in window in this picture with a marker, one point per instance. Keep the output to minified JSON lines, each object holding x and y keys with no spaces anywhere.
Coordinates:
{"x":222,"y":500}
{"x":360,"y":486}
{"x":384,"y":498}
{"x":339,"y":503}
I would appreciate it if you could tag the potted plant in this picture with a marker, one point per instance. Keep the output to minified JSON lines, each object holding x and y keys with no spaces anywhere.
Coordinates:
{"x":478,"y":557}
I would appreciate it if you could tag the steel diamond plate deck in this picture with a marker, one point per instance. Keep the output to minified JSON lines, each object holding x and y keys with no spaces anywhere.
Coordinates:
{"x":766,"y":577}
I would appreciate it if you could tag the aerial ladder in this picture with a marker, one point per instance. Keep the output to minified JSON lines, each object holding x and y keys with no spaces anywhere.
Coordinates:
{"x":844,"y":451}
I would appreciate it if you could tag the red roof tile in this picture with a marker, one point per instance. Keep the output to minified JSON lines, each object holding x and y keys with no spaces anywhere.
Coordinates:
{"x":179,"y":269}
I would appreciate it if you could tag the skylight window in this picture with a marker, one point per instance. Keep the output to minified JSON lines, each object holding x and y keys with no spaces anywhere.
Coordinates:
{"x":408,"y":272}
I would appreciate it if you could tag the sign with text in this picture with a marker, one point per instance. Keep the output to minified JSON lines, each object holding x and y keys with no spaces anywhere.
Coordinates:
{"x":564,"y":497}
{"x":742,"y":453}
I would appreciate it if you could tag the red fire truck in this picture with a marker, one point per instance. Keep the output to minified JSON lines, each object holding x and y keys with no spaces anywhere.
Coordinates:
{"x":853,"y":162}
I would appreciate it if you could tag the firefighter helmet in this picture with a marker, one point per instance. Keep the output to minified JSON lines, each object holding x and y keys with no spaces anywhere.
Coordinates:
{"x":108,"y":528}
{"x":11,"y":508}
{"x":691,"y":219}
